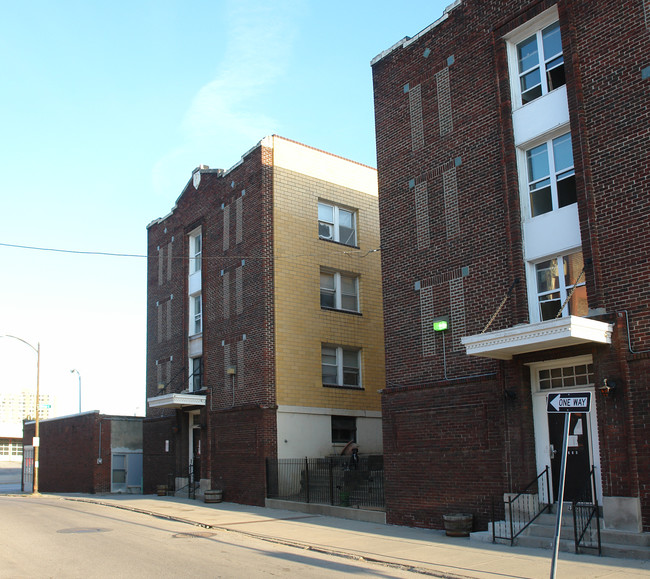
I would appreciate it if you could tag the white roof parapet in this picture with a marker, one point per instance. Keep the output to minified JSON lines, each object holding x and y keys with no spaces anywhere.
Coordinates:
{"x":524,"y":338}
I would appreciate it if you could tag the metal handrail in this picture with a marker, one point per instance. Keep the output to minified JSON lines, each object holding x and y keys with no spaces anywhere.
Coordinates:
{"x":191,"y":481}
{"x":593,"y":513}
{"x":528,"y":520}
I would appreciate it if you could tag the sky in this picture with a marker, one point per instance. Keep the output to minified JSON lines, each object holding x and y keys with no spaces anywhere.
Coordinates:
{"x":105,"y":110}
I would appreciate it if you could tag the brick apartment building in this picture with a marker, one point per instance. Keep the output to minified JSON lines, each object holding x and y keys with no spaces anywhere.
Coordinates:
{"x":264,"y":319}
{"x":514,"y":192}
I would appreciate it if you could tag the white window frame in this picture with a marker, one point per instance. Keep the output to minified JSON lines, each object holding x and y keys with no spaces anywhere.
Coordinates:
{"x":526,"y":180}
{"x":533,"y":27}
{"x":337,"y":292}
{"x":339,"y":366}
{"x":563,"y":289}
{"x":196,"y":314}
{"x":196,"y":250}
{"x":333,"y":226}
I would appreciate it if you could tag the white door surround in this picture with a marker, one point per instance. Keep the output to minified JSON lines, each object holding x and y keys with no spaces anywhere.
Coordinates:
{"x":542,"y":384}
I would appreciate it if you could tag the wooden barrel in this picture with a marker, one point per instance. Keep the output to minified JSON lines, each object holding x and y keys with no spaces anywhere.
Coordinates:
{"x":458,"y":525}
{"x":213,"y":496}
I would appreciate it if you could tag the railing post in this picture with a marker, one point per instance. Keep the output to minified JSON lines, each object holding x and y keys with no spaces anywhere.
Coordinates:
{"x":574,"y":505}
{"x":548,"y":489}
{"x":512,"y":531}
{"x":331,"y":474}
{"x":307,"y":484}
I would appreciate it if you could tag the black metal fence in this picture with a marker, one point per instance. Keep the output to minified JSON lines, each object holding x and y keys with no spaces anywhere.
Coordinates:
{"x":336,"y":480}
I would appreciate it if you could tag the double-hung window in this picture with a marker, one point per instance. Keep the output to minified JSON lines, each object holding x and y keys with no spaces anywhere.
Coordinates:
{"x":341,"y":366}
{"x":337,"y":224}
{"x":196,"y":314}
{"x":195,"y":252}
{"x":556,"y":279}
{"x":339,"y":291}
{"x":551,"y":176}
{"x":540,"y":63}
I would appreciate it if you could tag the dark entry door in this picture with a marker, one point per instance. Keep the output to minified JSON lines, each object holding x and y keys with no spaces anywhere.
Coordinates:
{"x":577,"y":485}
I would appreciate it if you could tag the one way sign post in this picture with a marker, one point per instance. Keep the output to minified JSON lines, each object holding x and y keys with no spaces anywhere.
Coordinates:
{"x":569,"y":402}
{"x":566,"y":403}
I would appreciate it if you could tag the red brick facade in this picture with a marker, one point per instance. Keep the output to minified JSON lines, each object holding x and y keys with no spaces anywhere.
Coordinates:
{"x":237,"y":430}
{"x":459,"y":429}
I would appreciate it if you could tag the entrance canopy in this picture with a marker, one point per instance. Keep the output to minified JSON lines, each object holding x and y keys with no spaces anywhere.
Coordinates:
{"x":569,"y":331}
{"x":176,"y":400}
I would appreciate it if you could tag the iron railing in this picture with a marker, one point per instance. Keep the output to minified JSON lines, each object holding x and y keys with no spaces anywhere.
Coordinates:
{"x":522,"y":509}
{"x":186,"y":476}
{"x":586,"y":517}
{"x":336,"y":480}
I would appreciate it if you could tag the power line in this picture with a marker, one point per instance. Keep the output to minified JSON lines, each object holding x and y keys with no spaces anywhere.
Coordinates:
{"x":355,"y":253}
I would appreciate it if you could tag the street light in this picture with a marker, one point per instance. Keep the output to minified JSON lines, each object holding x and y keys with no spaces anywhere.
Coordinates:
{"x":77,"y":371}
{"x":36,"y":442}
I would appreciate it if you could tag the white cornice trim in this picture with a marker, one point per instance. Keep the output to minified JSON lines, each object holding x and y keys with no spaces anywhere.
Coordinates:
{"x":176,"y":400}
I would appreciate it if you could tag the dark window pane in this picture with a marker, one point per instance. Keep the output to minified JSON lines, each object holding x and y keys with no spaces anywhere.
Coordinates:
{"x":540,"y":201}
{"x":566,"y":191}
{"x":555,"y":77}
{"x":327,"y":300}
{"x":531,"y":95}
{"x":344,"y":429}
{"x":549,"y":309}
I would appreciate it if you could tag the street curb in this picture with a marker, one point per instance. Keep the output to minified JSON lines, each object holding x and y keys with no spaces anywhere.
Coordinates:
{"x":277,"y":541}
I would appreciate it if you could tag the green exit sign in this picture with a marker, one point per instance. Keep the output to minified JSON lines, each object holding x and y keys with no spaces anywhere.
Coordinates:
{"x":440,"y":325}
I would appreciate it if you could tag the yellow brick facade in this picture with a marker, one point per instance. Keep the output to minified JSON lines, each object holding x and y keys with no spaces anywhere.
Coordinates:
{"x":303,"y":177}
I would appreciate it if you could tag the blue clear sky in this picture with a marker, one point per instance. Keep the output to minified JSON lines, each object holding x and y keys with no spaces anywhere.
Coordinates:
{"x":105,"y":109}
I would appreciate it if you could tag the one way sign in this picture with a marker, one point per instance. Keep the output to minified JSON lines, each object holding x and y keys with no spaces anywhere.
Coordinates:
{"x":569,"y":402}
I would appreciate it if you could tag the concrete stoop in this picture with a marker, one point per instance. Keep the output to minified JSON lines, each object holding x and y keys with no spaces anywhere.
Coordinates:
{"x":540,"y":535}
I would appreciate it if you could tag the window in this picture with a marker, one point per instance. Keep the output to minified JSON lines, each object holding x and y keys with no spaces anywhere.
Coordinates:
{"x":196,"y":249}
{"x":337,"y":224}
{"x":196,"y":318}
{"x":551,"y":177}
{"x":344,"y":429}
{"x":555,"y":279}
{"x":197,"y":374}
{"x":540,"y":63}
{"x":566,"y":377}
{"x":339,"y":291}
{"x":340,"y":366}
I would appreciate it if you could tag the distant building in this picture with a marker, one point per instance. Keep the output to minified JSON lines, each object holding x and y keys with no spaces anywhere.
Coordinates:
{"x":86,"y":453}
{"x":264,"y":320}
{"x":514,"y":196}
{"x":14,"y":408}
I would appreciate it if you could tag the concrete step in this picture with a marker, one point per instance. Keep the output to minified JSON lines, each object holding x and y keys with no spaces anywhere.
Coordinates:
{"x":541,"y":534}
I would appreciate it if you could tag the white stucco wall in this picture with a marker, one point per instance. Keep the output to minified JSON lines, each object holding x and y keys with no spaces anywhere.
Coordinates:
{"x":307,"y":432}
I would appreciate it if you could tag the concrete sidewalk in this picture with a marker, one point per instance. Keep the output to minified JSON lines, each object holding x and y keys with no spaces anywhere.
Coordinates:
{"x":424,"y":551}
